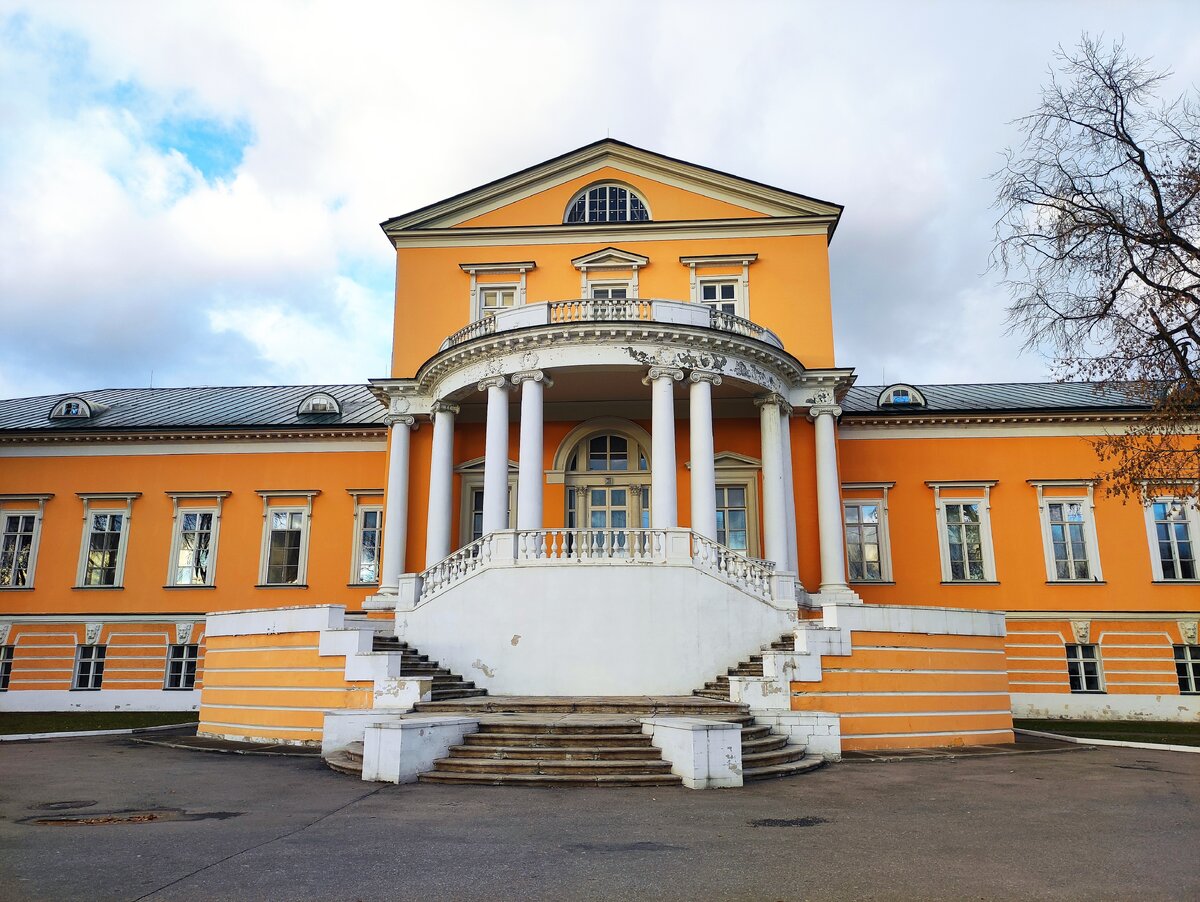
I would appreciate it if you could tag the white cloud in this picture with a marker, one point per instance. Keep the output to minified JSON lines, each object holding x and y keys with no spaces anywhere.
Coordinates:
{"x":121,"y":257}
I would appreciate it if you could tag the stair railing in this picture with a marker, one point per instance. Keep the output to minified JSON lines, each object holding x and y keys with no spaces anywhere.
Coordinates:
{"x":457,"y":565}
{"x":754,"y":576}
{"x":644,"y":545}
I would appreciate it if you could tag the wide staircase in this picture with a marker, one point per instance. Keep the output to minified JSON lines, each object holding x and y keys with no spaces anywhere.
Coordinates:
{"x":446,"y":685}
{"x":752,"y":666}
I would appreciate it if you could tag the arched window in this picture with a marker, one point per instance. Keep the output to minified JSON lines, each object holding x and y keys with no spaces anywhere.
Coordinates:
{"x":319,"y":402}
{"x":608,"y":452}
{"x":607,"y":203}
{"x":901,"y":395}
{"x":71,"y":409}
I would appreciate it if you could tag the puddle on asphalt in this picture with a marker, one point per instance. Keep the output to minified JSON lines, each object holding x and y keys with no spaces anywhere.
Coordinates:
{"x":112,"y":818}
{"x":788,"y":822}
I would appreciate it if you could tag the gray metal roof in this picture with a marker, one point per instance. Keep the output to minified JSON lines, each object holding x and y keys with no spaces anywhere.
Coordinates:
{"x":997,"y":397}
{"x":218,"y":407}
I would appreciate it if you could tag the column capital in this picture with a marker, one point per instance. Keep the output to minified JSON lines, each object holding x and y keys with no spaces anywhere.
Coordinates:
{"x":402,"y":419}
{"x":532,"y":376}
{"x":662,"y":372}
{"x":443,"y":407}
{"x":771,"y":400}
{"x":823,"y":410}
{"x":704,"y":376}
{"x":500,"y":382}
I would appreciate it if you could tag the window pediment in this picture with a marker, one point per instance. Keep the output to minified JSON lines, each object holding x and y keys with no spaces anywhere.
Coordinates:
{"x":609,"y":258}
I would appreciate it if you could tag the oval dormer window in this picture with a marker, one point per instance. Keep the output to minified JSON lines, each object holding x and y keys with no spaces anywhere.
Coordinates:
{"x":71,"y":409}
{"x":320,"y":402}
{"x":901,"y":395}
{"x":606,"y":203}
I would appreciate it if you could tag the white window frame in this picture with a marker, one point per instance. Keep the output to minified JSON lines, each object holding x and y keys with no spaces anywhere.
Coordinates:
{"x":94,"y":685}
{"x":977,"y":492}
{"x":193,"y":656}
{"x":305,"y":509}
{"x":361,"y":508}
{"x":696,"y":265}
{"x":739,"y":305}
{"x":1191,"y":517}
{"x":1079,"y":659}
{"x":105,"y":503}
{"x":24,"y":506}
{"x":482,"y":311}
{"x":607,"y":268}
{"x":1091,"y":541}
{"x":870,"y":493}
{"x":8,"y":654}
{"x":584,"y":192}
{"x":471,"y":478}
{"x":475,"y":270}
{"x":1189,"y":656}
{"x":177,"y":510}
{"x":748,"y":490}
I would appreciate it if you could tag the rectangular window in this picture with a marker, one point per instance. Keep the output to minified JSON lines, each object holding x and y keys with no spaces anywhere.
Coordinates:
{"x":181,"y":666}
{"x":192,"y":562}
{"x":1068,"y":543}
{"x":864,"y":541}
{"x":368,"y":539}
{"x":1187,"y":668}
{"x":492,"y":299}
{"x":609,"y":292}
{"x":476,"y":514}
{"x":721,"y":296}
{"x":1173,"y":539}
{"x":16,"y":550}
{"x":1083,"y":668}
{"x":732,"y":519}
{"x":964,"y":541}
{"x":89,"y":666}
{"x":6,"y":665}
{"x":104,"y":550}
{"x":285,"y":547}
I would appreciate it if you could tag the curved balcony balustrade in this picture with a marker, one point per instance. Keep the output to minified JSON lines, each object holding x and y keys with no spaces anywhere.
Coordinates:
{"x":587,"y":310}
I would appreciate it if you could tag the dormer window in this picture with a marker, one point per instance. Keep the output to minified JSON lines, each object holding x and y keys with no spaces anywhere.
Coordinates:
{"x":901,"y":396}
{"x":320,"y":402}
{"x":606,"y":203}
{"x":71,"y":409}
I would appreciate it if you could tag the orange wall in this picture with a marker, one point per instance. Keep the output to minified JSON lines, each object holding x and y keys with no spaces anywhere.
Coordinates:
{"x":1016,"y":530}
{"x":149,"y":537}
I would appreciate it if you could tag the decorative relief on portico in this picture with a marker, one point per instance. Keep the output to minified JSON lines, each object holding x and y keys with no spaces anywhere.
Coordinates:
{"x":91,"y":633}
{"x":1187,"y":629}
{"x":529,"y":360}
{"x":183,"y":633}
{"x":398,"y":405}
{"x":1082,"y":631}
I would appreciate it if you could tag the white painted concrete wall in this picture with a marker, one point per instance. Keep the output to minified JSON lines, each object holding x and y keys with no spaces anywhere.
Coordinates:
{"x":100,"y":700}
{"x":398,"y":752}
{"x":579,"y":629}
{"x":1099,"y":706}
{"x":705,"y":754}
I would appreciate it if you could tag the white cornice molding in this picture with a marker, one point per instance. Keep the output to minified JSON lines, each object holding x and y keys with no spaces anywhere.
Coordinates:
{"x":719,"y":260}
{"x":519,"y":267}
{"x":232,"y":435}
{"x":610,"y":258}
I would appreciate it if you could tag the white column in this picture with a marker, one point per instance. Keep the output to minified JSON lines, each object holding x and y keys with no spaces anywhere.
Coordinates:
{"x":704,"y":473}
{"x":774,"y":508}
{"x":789,"y":487}
{"x":495,"y":455}
{"x":395,"y":517}
{"x":829,"y":500}
{"x":664,"y":502}
{"x":441,"y":482}
{"x":530,"y":476}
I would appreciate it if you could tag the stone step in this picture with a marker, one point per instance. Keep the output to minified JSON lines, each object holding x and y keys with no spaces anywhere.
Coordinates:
{"x":441,"y":695}
{"x":550,"y":766}
{"x":803,"y":766}
{"x":712,"y":693}
{"x":557,"y":753}
{"x":769,"y":758}
{"x":524,"y":726}
{"x":555,"y":740}
{"x":767,"y":743}
{"x":599,"y":780}
{"x":348,"y":760}
{"x":757,"y":731}
{"x":633,"y":707}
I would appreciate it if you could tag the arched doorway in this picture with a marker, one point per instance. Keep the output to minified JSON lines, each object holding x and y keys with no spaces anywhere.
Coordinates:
{"x":606,"y":470}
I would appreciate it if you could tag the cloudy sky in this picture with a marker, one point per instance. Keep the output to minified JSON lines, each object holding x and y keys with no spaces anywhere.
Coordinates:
{"x":193,"y":190}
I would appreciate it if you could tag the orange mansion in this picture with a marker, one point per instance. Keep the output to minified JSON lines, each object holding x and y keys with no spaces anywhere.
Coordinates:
{"x":615,"y":457}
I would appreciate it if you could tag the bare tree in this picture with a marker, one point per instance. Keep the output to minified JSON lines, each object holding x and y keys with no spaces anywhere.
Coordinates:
{"x":1099,"y":242}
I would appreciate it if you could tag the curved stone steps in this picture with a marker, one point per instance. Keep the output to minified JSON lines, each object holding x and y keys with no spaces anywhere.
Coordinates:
{"x":348,"y":760}
{"x":801,"y":766}
{"x":553,"y":766}
{"x":598,"y":780}
{"x":445,"y":687}
{"x":557,"y":753}
{"x":557,"y":740}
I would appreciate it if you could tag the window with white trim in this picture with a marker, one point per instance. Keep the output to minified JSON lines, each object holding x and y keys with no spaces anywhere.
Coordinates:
{"x":1083,"y":668}
{"x":1067,"y":514}
{"x":606,"y":203}
{"x":1173,"y":527}
{"x":89,"y":666}
{"x":721,"y":295}
{"x":193,"y":547}
{"x":18,"y":537}
{"x":965,"y":531}
{"x":105,"y":543}
{"x":6,"y":665}
{"x":733,"y":525}
{"x":608,"y":291}
{"x":493,"y":298}
{"x":287,"y":532}
{"x":368,"y":540}
{"x":182,"y":661}
{"x":1187,"y":668}
{"x":864,"y":541}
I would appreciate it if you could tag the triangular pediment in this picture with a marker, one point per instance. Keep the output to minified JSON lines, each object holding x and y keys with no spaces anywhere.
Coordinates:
{"x":610,"y":257}
{"x":739,"y":196}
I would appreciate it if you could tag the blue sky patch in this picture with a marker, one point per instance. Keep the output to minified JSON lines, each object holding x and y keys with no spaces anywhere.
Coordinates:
{"x":215,"y":148}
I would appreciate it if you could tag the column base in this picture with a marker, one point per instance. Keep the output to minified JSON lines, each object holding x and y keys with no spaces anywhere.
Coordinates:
{"x":383,"y":600}
{"x":836,"y":595}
